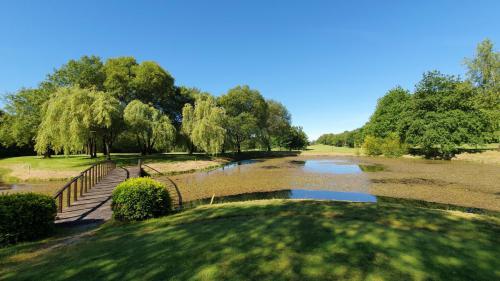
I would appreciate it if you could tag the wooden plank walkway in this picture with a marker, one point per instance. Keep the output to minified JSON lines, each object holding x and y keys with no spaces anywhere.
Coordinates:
{"x":95,"y":205}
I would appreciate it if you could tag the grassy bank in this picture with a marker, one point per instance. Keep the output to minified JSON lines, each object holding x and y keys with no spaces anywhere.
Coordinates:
{"x":274,"y":240}
{"x":34,"y":168}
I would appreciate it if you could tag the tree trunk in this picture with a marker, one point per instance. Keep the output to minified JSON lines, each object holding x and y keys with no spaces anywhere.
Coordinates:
{"x":108,"y":150}
{"x":239,"y":147}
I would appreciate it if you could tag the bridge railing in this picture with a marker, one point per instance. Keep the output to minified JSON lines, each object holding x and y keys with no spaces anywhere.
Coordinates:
{"x":82,"y":183}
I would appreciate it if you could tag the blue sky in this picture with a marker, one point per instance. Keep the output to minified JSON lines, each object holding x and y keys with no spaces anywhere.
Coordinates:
{"x":327,"y":61}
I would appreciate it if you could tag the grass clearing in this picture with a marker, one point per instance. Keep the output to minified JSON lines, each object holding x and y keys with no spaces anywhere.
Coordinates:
{"x":35,"y":168}
{"x":275,"y":240}
{"x":331,"y":150}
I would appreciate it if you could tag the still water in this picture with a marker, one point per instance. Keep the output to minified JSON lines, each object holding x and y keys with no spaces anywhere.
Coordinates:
{"x":292,"y":177}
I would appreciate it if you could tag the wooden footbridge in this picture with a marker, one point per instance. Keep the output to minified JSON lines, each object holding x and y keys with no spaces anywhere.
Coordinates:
{"x":87,"y":197}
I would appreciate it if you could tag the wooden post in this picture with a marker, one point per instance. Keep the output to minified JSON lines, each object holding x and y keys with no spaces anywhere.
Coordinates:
{"x":81,"y":184}
{"x":60,"y":203}
{"x":68,"y":196}
{"x":85,"y":180}
{"x":75,"y":191}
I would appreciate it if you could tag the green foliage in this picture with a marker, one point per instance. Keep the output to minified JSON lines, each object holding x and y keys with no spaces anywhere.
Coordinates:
{"x":247,"y":113}
{"x":484,"y":72}
{"x":153,"y":130}
{"x":74,"y":117}
{"x":443,"y":116}
{"x":392,"y":147}
{"x":86,"y":73}
{"x":204,"y":124}
{"x":372,"y":145}
{"x":148,"y":82}
{"x":278,"y":124}
{"x":351,"y":139}
{"x":294,"y":139}
{"x":389,"y":113}
{"x":25,"y":216}
{"x":23,"y":114}
{"x":484,"y":68}
{"x":140,"y":198}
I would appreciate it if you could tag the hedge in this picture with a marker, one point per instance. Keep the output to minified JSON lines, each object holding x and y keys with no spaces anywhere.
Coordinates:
{"x":140,"y":198}
{"x":25,"y":216}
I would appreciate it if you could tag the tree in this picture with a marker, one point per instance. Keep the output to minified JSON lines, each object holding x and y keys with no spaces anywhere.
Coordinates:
{"x":152,"y":129}
{"x":278,"y":123}
{"x":87,"y":72}
{"x":148,"y":82}
{"x":203,"y":124}
{"x":119,"y":74}
{"x":22,"y":117}
{"x":247,"y":114}
{"x":295,"y":138}
{"x":153,"y":85}
{"x":390,"y":111}
{"x":484,"y":73}
{"x":75,"y":118}
{"x":443,"y":116}
{"x":484,"y":68}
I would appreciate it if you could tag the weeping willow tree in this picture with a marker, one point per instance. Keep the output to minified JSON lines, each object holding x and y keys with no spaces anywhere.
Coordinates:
{"x":74,"y":119}
{"x":204,"y":124}
{"x":152,"y":129}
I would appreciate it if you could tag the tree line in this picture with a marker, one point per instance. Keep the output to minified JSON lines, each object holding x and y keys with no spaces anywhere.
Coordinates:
{"x":443,"y":113}
{"x":91,"y":106}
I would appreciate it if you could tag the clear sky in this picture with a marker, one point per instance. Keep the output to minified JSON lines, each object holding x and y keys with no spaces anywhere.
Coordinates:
{"x":327,"y":61}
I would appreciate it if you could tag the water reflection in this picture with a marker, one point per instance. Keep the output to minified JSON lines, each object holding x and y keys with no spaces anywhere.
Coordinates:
{"x":331,"y":167}
{"x":250,"y":176}
{"x":287,"y":194}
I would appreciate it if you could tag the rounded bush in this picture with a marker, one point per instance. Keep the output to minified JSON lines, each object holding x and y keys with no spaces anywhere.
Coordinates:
{"x":25,"y":216}
{"x":140,"y":198}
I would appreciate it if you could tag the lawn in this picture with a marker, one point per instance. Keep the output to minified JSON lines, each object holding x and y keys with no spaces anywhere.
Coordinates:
{"x":328,"y":149}
{"x":273,"y":240}
{"x":33,"y":168}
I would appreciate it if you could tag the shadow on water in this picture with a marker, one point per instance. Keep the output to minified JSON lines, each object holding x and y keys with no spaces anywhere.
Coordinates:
{"x":335,"y":196}
{"x":287,"y":194}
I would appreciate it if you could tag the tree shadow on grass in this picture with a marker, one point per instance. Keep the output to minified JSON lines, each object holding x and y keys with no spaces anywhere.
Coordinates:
{"x":282,"y":240}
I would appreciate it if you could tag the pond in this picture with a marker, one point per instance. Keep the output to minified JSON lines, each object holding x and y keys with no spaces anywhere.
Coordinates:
{"x":291,"y":177}
{"x":45,"y":187}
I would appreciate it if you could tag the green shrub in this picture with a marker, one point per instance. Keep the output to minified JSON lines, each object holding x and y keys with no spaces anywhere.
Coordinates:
{"x":392,"y":147}
{"x":25,"y":216}
{"x":140,"y":198}
{"x":372,"y":146}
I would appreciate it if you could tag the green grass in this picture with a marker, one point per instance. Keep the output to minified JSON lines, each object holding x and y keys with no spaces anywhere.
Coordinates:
{"x":332,"y":149}
{"x":76,"y":163}
{"x":274,"y":240}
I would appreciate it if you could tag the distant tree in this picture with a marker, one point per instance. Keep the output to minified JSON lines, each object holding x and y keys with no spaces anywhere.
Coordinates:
{"x":294,"y":139}
{"x":152,"y":129}
{"x":443,"y":116}
{"x":204,"y":124}
{"x":87,"y":72}
{"x":391,"y":109}
{"x":247,"y":114}
{"x":484,"y":68}
{"x":352,"y":138}
{"x":484,"y":73}
{"x":75,"y":118}
{"x":278,"y":123}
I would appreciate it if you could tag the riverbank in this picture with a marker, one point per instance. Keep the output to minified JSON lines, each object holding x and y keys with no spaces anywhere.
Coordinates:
{"x":284,"y":240}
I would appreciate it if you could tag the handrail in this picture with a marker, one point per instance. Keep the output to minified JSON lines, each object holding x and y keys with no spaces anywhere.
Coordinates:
{"x":88,"y":178}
